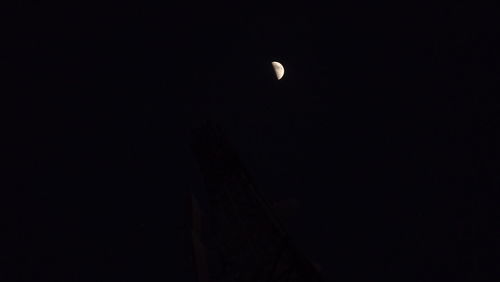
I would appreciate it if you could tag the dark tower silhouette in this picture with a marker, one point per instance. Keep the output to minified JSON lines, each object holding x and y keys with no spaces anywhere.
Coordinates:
{"x":244,"y":240}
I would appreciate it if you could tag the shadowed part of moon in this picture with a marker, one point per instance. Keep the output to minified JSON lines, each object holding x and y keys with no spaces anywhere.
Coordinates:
{"x":279,"y":70}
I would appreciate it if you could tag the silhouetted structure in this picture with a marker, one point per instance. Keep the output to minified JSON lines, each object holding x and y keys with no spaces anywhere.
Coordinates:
{"x":245,"y":240}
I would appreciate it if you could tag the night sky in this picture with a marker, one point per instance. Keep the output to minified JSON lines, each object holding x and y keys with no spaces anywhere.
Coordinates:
{"x":384,"y":128}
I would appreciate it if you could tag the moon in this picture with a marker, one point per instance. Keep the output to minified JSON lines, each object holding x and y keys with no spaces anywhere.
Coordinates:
{"x":279,"y":70}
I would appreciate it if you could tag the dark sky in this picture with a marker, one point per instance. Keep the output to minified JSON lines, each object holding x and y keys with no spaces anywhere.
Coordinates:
{"x":385,"y":128}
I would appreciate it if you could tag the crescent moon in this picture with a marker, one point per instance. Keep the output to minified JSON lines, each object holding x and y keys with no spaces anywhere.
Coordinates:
{"x":279,"y":70}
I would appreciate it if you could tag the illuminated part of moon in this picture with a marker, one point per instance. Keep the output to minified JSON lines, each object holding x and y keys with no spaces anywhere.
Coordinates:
{"x":279,"y":70}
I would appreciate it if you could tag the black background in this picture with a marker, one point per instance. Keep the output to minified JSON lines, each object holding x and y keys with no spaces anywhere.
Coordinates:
{"x":384,"y":127}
